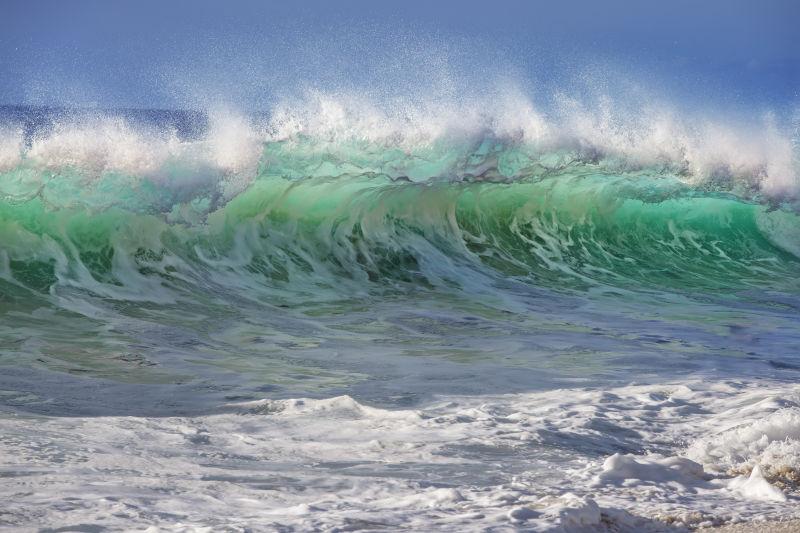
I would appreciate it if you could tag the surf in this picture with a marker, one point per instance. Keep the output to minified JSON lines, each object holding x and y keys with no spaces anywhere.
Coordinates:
{"x":343,"y":189}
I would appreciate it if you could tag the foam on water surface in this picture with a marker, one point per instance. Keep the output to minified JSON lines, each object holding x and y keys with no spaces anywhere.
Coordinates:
{"x":637,"y":458}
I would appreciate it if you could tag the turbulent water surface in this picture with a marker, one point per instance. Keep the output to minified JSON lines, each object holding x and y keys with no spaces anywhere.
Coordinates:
{"x":333,"y":317}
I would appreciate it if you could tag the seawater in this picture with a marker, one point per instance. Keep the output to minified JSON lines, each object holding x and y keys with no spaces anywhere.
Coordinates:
{"x":334,"y":316}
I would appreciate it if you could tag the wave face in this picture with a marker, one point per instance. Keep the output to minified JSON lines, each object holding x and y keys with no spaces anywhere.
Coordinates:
{"x":199,"y":244}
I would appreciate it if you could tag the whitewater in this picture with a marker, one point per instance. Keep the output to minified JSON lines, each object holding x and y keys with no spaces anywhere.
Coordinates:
{"x":348,"y":314}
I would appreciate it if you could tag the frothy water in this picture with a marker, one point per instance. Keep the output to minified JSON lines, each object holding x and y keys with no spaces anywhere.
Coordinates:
{"x":636,"y":458}
{"x":347,"y":315}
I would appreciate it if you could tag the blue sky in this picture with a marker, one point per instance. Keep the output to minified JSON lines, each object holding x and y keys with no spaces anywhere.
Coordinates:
{"x":151,"y":53}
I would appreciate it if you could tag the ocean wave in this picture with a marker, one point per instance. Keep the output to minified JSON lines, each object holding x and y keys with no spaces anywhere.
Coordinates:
{"x":335,"y":197}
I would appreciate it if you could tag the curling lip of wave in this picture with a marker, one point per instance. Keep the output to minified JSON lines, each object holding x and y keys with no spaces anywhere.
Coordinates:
{"x":330,"y":136}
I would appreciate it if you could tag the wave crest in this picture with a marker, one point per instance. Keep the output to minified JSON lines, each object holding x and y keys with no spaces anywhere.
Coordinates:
{"x":504,"y":137}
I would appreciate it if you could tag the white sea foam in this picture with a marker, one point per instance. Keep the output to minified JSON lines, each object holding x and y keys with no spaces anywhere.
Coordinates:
{"x":756,"y":155}
{"x":636,"y":458}
{"x":644,"y":135}
{"x":101,"y":145}
{"x":11,"y":141}
{"x":96,"y":147}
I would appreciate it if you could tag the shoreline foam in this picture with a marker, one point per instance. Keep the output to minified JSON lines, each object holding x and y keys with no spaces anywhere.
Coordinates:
{"x":565,"y":459}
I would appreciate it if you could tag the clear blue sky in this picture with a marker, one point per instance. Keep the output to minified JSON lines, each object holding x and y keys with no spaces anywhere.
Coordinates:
{"x":157,"y":53}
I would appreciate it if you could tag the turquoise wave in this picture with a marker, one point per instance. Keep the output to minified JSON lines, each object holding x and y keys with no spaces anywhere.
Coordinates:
{"x":376,"y":216}
{"x":293,"y":267}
